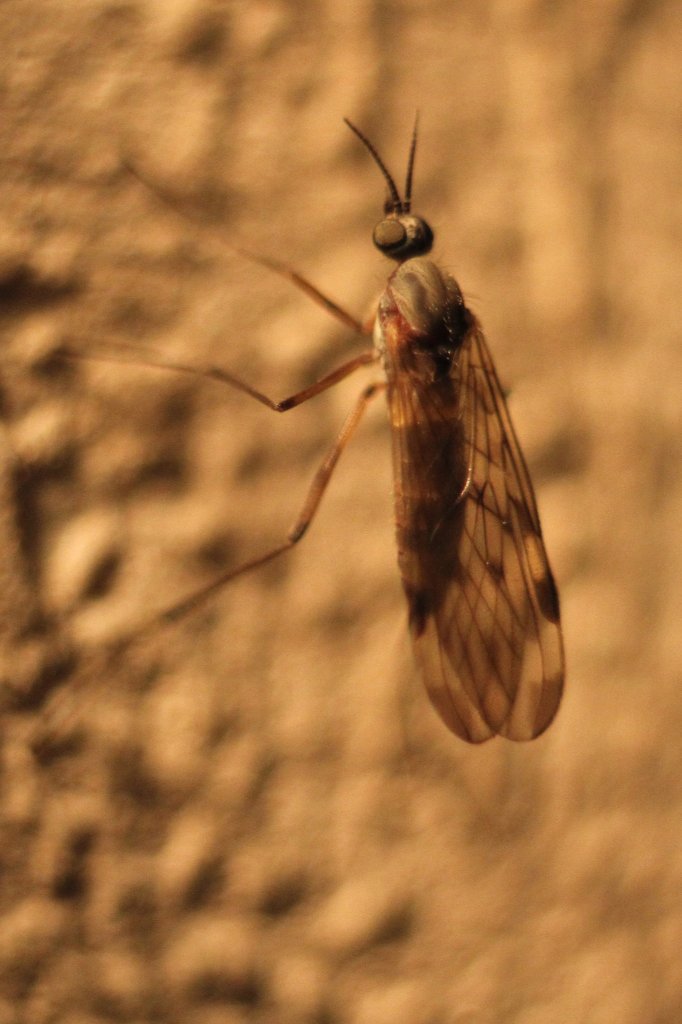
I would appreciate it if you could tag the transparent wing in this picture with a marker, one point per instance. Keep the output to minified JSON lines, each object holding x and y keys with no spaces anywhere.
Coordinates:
{"x":485,"y":617}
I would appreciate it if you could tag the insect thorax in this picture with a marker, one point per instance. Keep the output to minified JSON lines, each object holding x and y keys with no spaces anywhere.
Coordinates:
{"x":421,"y":321}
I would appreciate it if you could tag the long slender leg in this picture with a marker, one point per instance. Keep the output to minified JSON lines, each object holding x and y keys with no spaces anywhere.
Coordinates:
{"x":308,"y":289}
{"x":171,"y":201}
{"x":223,"y":377}
{"x":51,"y":727}
{"x":297,"y":530}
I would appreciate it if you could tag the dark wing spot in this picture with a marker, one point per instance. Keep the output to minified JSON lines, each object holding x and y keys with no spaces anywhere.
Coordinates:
{"x":420,"y":607}
{"x":548,"y":596}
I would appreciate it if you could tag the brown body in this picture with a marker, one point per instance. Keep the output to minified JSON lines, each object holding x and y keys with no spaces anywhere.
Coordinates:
{"x":484,"y":612}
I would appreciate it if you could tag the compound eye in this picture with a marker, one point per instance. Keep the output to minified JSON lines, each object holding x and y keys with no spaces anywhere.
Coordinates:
{"x":389,"y":235}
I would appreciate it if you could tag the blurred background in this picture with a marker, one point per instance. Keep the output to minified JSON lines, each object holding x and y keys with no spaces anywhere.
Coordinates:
{"x":255,"y":816}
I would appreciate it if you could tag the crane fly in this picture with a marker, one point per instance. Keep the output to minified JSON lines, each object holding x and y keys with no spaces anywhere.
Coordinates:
{"x":483,"y":605}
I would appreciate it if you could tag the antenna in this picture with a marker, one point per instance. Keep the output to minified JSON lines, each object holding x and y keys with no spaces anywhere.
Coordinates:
{"x":396,"y":204}
{"x":410,"y":166}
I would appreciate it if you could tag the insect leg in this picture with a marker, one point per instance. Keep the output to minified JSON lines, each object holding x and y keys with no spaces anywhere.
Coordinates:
{"x":49,"y":731}
{"x":158,"y":361}
{"x":308,"y":289}
{"x":297,"y":530}
{"x":171,"y":201}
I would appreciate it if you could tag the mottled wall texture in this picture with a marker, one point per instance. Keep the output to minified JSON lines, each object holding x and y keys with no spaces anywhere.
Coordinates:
{"x":254,"y":815}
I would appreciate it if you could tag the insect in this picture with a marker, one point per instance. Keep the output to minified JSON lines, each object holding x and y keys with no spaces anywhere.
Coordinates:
{"x":483,"y":605}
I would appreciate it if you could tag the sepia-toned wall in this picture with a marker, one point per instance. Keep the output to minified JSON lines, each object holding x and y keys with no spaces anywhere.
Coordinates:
{"x":254,"y":815}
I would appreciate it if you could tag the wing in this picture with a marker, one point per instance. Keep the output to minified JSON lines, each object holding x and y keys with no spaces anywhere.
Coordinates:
{"x":484,"y":615}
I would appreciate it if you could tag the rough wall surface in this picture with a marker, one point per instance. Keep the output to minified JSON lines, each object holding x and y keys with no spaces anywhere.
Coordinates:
{"x":254,"y":816}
